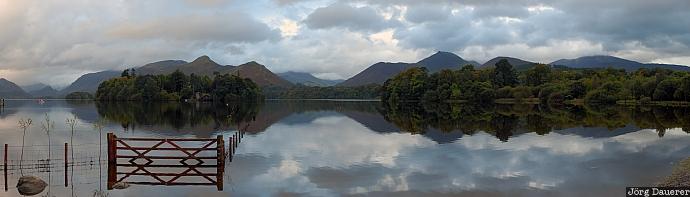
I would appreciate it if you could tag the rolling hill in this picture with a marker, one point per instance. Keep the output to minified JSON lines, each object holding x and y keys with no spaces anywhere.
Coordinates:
{"x":518,"y":64}
{"x":260,"y":75}
{"x":45,"y":92}
{"x":160,"y":67}
{"x":603,"y":61}
{"x":307,"y":79}
{"x":444,"y":60}
{"x":382,"y":71}
{"x":9,"y":89}
{"x":376,"y":74}
{"x":34,"y":87}
{"x":89,"y":82}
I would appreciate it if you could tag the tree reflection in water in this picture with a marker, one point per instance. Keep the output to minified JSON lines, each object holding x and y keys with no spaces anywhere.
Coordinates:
{"x":504,"y":121}
{"x":215,"y":116}
{"x":501,"y":121}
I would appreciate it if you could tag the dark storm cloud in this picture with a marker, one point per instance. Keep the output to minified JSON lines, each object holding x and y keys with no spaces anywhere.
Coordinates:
{"x":659,"y":25}
{"x":349,"y":17}
{"x":427,"y":12}
{"x":656,"y":24}
{"x":493,"y":11}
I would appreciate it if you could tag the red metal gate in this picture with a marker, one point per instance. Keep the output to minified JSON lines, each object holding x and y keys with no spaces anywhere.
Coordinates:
{"x":151,"y":155}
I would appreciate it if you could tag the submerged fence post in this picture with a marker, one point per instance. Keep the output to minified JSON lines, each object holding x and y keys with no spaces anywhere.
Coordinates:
{"x":230,"y":148}
{"x":112,"y":169}
{"x":221,"y":162}
{"x":5,"y":165}
{"x":66,"y":164}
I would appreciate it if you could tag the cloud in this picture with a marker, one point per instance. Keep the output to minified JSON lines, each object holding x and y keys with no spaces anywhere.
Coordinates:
{"x":348,"y":17}
{"x":289,"y":2}
{"x":424,"y":13}
{"x":234,"y":27}
{"x":333,"y":38}
{"x":330,"y":52}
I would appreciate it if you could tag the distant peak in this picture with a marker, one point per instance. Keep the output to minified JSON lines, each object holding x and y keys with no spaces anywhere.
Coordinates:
{"x":443,"y":53}
{"x":253,"y":64}
{"x":203,"y":58}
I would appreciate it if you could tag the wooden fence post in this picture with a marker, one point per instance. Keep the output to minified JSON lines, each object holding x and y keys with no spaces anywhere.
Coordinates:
{"x":66,"y":164}
{"x":231,"y":150}
{"x":5,"y":165}
{"x":221,"y":162}
{"x":112,"y":153}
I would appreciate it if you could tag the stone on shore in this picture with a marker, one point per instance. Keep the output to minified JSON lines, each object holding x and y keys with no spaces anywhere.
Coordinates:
{"x":121,"y":185}
{"x":30,"y":185}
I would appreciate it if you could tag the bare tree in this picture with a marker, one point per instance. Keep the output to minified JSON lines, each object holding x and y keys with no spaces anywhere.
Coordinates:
{"x":72,"y":122}
{"x":24,"y":124}
{"x":47,"y":126}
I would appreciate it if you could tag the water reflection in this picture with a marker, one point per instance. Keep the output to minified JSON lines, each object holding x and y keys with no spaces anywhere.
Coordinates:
{"x":327,"y":148}
{"x":189,"y":117}
{"x":504,"y":121}
{"x":442,"y":123}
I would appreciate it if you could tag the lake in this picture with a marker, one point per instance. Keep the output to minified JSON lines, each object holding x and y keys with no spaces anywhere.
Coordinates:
{"x":336,"y":148}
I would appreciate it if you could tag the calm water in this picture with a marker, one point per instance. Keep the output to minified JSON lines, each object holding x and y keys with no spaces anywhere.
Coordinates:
{"x":336,"y":148}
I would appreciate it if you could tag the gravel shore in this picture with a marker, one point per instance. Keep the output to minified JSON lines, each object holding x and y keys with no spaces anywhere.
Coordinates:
{"x":680,"y":177}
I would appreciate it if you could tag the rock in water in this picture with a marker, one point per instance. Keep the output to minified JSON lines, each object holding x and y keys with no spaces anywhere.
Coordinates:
{"x":121,"y":185}
{"x":30,"y":185}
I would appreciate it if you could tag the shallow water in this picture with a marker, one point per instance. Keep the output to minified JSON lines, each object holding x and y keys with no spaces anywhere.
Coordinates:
{"x":334,"y":148}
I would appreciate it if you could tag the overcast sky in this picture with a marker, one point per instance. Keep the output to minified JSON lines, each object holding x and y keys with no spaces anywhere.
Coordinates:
{"x":55,"y":42}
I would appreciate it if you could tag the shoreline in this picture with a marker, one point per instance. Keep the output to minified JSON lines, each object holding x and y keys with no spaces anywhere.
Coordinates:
{"x":533,"y":101}
{"x":680,"y":176}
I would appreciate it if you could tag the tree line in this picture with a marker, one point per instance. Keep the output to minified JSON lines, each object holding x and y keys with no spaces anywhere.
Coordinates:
{"x":542,"y":82}
{"x":178,"y":86}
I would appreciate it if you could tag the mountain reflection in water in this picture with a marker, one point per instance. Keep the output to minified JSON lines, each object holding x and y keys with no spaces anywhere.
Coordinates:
{"x":333,"y":148}
{"x":443,"y":123}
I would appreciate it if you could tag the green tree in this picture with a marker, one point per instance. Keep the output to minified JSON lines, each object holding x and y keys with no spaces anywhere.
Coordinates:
{"x":504,"y":74}
{"x":179,"y":80}
{"x":665,"y":89}
{"x":538,"y":75}
{"x":683,"y":92}
{"x":125,"y":73}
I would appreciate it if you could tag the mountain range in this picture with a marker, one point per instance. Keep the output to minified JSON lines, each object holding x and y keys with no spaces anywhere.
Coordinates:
{"x":33,"y":87}
{"x":602,"y":61}
{"x":307,"y":79}
{"x":45,"y":92}
{"x":89,"y":82}
{"x":205,"y":66}
{"x":10,"y":90}
{"x":382,"y":71}
{"x":374,"y":74}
